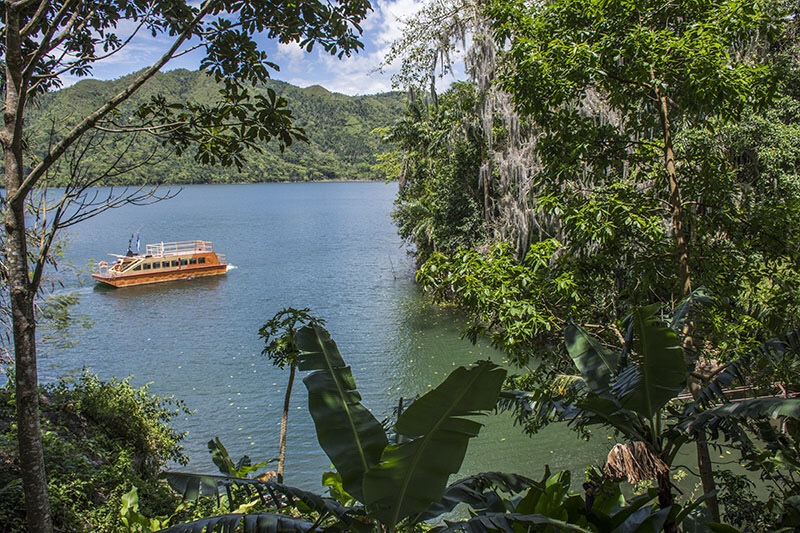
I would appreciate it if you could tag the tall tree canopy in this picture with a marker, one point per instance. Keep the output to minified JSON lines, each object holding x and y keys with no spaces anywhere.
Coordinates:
{"x":640,"y":159}
{"x":43,"y":40}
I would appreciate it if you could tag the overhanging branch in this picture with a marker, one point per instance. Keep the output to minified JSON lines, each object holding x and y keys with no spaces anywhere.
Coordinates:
{"x":58,"y":150}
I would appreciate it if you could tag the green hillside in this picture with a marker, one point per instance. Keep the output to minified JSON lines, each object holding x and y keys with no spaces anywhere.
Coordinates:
{"x":339,"y":127}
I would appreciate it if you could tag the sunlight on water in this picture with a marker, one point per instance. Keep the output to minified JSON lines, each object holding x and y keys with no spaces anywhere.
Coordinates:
{"x":328,"y":246}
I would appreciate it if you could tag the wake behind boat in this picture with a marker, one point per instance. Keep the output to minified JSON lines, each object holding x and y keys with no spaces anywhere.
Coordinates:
{"x":165,"y":261}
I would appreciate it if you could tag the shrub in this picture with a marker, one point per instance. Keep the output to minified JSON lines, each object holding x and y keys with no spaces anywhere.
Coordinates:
{"x":100,"y":438}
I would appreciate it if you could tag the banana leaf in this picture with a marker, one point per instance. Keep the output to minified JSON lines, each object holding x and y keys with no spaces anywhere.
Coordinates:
{"x":191,"y":486}
{"x":658,"y":373}
{"x":352,"y":438}
{"x":608,"y":412}
{"x":412,"y":475}
{"x":242,"y":468}
{"x":596,"y":363}
{"x":479,"y":492}
{"x":698,"y":298}
{"x":250,"y":523}
{"x":506,"y":522}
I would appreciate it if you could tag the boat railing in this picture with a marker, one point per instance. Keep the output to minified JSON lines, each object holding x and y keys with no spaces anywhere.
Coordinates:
{"x":166,"y":249}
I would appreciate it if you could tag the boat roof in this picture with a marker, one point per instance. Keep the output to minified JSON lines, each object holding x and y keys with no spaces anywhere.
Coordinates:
{"x":168,"y":249}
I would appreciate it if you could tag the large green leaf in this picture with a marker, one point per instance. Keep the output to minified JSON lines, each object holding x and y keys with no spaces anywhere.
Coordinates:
{"x":191,"y":486}
{"x":658,"y":371}
{"x":480,"y":492}
{"x":697,"y":299}
{"x":608,"y":412}
{"x":508,"y":522}
{"x":251,"y":523}
{"x":413,"y":474}
{"x":346,"y":430}
{"x":596,"y":363}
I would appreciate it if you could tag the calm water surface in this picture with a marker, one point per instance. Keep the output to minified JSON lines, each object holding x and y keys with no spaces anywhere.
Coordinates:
{"x":328,"y":246}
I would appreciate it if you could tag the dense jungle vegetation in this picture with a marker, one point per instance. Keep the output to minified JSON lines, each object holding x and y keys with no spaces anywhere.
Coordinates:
{"x":611,"y":196}
{"x":340,"y":143}
{"x":605,"y":163}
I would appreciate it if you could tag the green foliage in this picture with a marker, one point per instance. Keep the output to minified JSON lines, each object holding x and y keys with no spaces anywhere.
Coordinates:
{"x":440,"y":204}
{"x":635,"y":392}
{"x":243,"y":468}
{"x":339,"y":128}
{"x":683,"y":49}
{"x":102,"y":440}
{"x":519,"y":305}
{"x":406,"y":486}
{"x":132,"y":519}
{"x":279,"y":334}
{"x":350,"y":435}
{"x":659,"y":371}
{"x":412,"y":475}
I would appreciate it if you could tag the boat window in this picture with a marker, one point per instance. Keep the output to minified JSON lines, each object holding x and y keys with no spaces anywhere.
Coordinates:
{"x":175,"y":263}
{"x":165,"y":264}
{"x":184,"y":262}
{"x":193,"y":261}
{"x":201,"y":260}
{"x":137,"y":267}
{"x":146,"y":266}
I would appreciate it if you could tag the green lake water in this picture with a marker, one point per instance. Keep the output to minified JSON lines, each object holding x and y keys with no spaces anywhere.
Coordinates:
{"x":328,"y":246}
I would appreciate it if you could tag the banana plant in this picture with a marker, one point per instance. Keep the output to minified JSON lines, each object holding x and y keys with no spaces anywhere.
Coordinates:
{"x":398,"y":484}
{"x":635,"y":391}
{"x":629,"y":392}
{"x":406,"y":485}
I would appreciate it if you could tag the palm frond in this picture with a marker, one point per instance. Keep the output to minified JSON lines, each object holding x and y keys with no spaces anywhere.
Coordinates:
{"x":479,"y":492}
{"x":711,"y":419}
{"x":506,"y":522}
{"x":250,"y":523}
{"x":548,"y":402}
{"x":772,"y":351}
{"x":192,"y":486}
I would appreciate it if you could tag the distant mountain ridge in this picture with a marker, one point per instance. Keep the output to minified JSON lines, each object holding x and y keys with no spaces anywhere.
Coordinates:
{"x":342,"y":144}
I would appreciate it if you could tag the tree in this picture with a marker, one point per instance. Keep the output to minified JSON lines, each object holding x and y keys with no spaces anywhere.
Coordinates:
{"x":439,"y":202}
{"x":654,"y":69}
{"x":43,"y":40}
{"x":279,"y":334}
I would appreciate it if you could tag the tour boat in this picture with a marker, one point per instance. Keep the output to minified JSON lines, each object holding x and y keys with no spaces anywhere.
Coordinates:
{"x":165,"y":261}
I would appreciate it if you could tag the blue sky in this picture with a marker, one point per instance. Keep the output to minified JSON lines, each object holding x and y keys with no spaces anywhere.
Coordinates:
{"x":353,"y":75}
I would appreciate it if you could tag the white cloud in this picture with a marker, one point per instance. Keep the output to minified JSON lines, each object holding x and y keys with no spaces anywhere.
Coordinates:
{"x":289,"y":53}
{"x":350,"y":75}
{"x":393,"y":17}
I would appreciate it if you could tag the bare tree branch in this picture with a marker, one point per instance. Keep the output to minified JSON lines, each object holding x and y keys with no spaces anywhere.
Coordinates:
{"x":38,"y":171}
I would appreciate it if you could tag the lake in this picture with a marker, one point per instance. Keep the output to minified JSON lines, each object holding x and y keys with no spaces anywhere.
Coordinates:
{"x":331,"y":247}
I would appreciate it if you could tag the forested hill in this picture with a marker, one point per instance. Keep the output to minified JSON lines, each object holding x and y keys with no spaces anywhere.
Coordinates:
{"x":342,"y":144}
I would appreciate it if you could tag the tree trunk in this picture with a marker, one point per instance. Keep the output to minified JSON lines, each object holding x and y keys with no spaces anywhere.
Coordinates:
{"x":676,"y":207}
{"x":685,"y":284}
{"x":665,"y":499}
{"x":34,"y":477}
{"x":284,"y":424}
{"x":31,"y":455}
